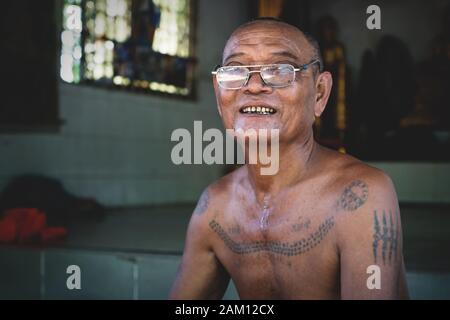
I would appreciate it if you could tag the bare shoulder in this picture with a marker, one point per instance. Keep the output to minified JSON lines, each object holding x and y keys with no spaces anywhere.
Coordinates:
{"x":212,"y":201}
{"x":216,"y":194}
{"x":362,"y":185}
{"x":363,"y":194}
{"x":354,"y":184}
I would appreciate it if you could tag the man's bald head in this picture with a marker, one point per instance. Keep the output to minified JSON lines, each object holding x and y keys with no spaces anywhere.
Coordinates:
{"x":304,"y":40}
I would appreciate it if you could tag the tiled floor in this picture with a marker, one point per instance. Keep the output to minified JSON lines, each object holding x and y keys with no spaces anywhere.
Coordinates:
{"x":134,"y":254}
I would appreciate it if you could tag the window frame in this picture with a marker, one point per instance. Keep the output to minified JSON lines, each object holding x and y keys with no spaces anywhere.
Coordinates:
{"x":88,"y":83}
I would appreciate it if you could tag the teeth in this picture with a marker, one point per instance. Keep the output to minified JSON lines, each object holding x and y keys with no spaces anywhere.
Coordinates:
{"x":259,"y":109}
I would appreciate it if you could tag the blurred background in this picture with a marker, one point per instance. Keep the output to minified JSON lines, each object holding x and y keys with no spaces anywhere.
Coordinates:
{"x":92,"y":90}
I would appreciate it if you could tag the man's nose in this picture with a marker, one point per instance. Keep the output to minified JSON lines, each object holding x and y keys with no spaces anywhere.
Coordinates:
{"x":256,"y":84}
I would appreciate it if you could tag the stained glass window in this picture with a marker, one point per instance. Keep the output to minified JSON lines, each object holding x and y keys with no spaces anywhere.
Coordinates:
{"x":71,"y":50}
{"x":139,"y":44}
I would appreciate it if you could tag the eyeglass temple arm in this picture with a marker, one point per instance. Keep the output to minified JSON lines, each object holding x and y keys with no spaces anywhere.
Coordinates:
{"x":306,"y":65}
{"x":215,"y":69}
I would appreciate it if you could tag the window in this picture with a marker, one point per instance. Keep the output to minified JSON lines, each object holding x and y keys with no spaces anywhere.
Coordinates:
{"x":143,"y":45}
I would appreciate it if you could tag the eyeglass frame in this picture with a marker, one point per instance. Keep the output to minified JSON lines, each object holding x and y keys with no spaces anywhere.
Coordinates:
{"x":296,"y":69}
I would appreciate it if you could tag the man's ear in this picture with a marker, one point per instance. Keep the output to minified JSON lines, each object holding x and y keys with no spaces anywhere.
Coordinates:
{"x":323,"y":89}
{"x":217,"y":93}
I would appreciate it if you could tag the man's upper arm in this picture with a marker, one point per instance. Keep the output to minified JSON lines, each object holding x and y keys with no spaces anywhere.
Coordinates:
{"x":200,"y":274}
{"x":370,"y":240}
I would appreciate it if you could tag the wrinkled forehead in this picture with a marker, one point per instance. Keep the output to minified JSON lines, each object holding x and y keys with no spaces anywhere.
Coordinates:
{"x":263,"y":40}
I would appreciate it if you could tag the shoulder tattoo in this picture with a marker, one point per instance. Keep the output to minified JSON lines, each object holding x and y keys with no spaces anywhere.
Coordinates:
{"x":354,"y":195}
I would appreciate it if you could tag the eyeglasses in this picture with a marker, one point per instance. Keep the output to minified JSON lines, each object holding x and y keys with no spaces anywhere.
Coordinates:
{"x":274,"y":75}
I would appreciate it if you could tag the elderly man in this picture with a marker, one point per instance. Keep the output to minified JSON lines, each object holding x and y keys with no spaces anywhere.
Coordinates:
{"x":325,"y":226}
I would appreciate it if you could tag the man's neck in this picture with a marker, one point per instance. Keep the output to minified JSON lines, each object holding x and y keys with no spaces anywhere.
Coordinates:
{"x":295,"y":161}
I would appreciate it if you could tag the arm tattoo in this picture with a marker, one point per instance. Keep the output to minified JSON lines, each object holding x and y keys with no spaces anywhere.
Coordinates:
{"x":276,"y":247}
{"x":354,"y":195}
{"x":386,"y":233}
{"x":202,"y":203}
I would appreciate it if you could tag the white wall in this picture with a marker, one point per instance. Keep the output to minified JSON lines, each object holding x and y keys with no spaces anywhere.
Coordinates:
{"x":115,"y":146}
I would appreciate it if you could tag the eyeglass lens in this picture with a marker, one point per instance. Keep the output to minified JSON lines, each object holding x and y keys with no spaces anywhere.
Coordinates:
{"x":235,"y":77}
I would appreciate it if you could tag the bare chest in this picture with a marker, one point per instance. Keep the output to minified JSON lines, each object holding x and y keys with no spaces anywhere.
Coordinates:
{"x":284,"y":251}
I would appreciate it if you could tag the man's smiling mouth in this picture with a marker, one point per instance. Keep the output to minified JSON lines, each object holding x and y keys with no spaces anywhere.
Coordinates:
{"x":259,"y":110}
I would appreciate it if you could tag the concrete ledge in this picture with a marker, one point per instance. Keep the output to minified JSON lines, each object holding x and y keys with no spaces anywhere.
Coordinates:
{"x":419,"y":182}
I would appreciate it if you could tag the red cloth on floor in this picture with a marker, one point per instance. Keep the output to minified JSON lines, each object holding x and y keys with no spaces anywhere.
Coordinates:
{"x":28,"y":225}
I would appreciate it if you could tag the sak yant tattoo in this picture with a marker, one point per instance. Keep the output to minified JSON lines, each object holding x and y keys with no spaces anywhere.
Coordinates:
{"x":385,"y":236}
{"x":302,"y":225}
{"x":234,"y":229}
{"x":354,"y":195}
{"x":276,"y":247}
{"x":202,"y":203}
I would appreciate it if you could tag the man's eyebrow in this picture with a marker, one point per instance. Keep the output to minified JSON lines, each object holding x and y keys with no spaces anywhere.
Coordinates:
{"x":233,"y":55}
{"x":286,"y":54}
